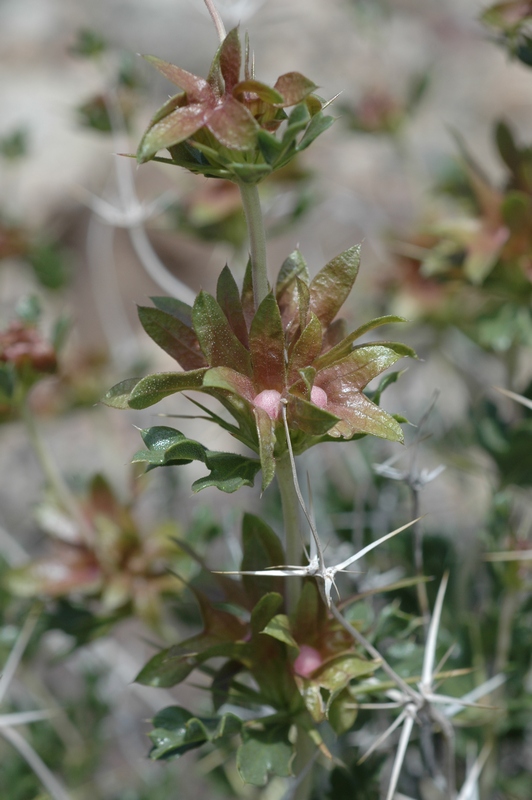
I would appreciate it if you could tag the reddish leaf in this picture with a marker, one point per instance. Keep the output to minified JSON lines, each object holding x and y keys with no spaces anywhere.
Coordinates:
{"x":232,"y":124}
{"x":175,"y":338}
{"x":229,"y":301}
{"x":263,"y":91}
{"x":196,"y":88}
{"x":173,"y":129}
{"x":356,"y":370}
{"x":334,"y":334}
{"x":218,"y":342}
{"x":306,"y":349}
{"x":331,"y":286}
{"x":294,"y":87}
{"x":174,"y":102}
{"x":266,"y":344}
{"x":359,"y":415}
{"x":230,"y":59}
{"x":230,"y":380}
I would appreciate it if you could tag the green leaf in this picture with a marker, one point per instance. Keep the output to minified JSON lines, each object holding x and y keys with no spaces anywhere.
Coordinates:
{"x":267,"y":439}
{"x":175,"y":338}
{"x":229,"y":472}
{"x":384,"y":383}
{"x":318,"y":125}
{"x":279,"y":628}
{"x":266,"y":608}
{"x":344,"y":347}
{"x":118,"y":396}
{"x":49,"y":265}
{"x":177,"y":731}
{"x":508,"y":150}
{"x":149,"y":390}
{"x":166,"y":669}
{"x":332,"y":285}
{"x":293,"y":267}
{"x":310,"y":418}
{"x":262,"y":549}
{"x":342,"y":712}
{"x":217,"y":340}
{"x":249,"y":173}
{"x":297,"y":121}
{"x":168,"y":446}
{"x":177,"y":308}
{"x":228,"y":298}
{"x":264,"y":753}
{"x":337,"y":672}
{"x":269,"y":146}
{"x":266,"y":344}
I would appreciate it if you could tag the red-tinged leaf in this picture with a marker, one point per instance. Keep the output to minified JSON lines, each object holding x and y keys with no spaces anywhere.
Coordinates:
{"x":266,"y":434}
{"x":331,"y":286}
{"x":294,"y":87}
{"x":152,"y":388}
{"x":303,"y":296}
{"x":231,"y":381}
{"x":229,"y":301}
{"x":306,"y":349}
{"x":262,"y":90}
{"x":71,"y":570}
{"x":173,"y":129}
{"x":356,"y":370}
{"x":266,"y":344}
{"x":174,"y":102}
{"x":230,"y":59}
{"x":175,"y":338}
{"x":197,"y":88}
{"x":218,"y":342}
{"x":248,"y":302}
{"x":334,"y":334}
{"x":359,"y":415}
{"x":232,"y":124}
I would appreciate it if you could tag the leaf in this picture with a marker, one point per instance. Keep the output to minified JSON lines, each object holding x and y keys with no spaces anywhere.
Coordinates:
{"x":318,"y":125}
{"x":177,"y":308}
{"x":310,"y":418}
{"x":232,"y":124}
{"x":344,"y":347}
{"x":177,"y":731}
{"x":173,"y":129}
{"x":196,"y":88}
{"x":118,"y":396}
{"x":279,"y":628}
{"x":360,"y":415}
{"x":263,"y":753}
{"x":297,"y":121}
{"x":231,"y":381}
{"x":336,"y":673}
{"x":332,"y":285}
{"x":293,"y":267}
{"x":261,"y":549}
{"x":269,"y":146}
{"x":266,"y":608}
{"x":266,"y":345}
{"x":247,"y":298}
{"x":228,"y":298}
{"x":294,"y":87}
{"x":229,"y":472}
{"x":217,"y":340}
{"x":306,"y":349}
{"x":168,"y":446}
{"x":342,"y":712}
{"x":267,"y":439}
{"x":175,"y":338}
{"x":262,"y":90}
{"x":230,"y":59}
{"x":149,"y":390}
{"x":508,"y":150}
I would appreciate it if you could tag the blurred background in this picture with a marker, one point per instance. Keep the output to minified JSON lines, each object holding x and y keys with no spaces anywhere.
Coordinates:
{"x":85,"y":235}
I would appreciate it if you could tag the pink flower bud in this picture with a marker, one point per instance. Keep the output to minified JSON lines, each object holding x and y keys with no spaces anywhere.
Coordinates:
{"x":308,"y":660}
{"x":269,"y":401}
{"x":318,"y":397}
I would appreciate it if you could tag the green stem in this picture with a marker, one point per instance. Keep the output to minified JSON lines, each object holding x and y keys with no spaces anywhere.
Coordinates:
{"x":257,"y":240}
{"x":292,"y":527}
{"x":52,"y":475}
{"x":306,"y":751}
